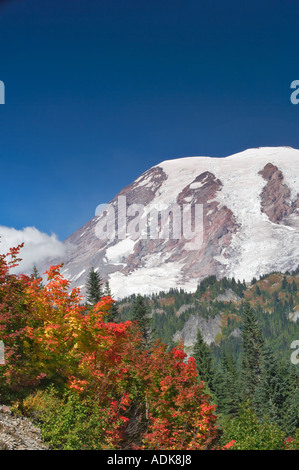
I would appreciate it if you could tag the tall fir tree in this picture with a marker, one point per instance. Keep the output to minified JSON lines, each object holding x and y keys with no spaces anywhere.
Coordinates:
{"x":227,"y":388}
{"x":113,"y":311}
{"x":204,"y":362}
{"x":290,"y":412}
{"x":252,"y":352}
{"x":35,"y":272}
{"x":284,"y":283}
{"x":270,"y":392}
{"x":94,"y":291}
{"x":36,"y":275}
{"x":140,"y":313}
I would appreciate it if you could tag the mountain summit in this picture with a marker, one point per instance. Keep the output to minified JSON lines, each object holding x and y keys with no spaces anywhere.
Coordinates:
{"x":241,"y":220}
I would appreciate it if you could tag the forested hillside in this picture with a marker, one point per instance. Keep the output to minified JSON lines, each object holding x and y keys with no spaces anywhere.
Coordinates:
{"x":247,"y":368}
{"x":274,"y":298}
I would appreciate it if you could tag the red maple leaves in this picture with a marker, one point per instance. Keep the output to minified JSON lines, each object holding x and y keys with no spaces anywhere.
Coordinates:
{"x":49,"y":338}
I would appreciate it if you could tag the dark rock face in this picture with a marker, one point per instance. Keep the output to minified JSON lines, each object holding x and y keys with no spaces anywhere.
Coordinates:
{"x":276,"y":196}
{"x":218,"y":221}
{"x":144,"y":189}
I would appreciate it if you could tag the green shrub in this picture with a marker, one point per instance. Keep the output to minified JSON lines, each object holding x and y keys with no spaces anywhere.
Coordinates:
{"x":67,"y":422}
{"x":251,"y":434}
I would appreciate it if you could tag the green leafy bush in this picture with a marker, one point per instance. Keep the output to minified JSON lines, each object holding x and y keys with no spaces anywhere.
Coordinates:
{"x":251,"y":434}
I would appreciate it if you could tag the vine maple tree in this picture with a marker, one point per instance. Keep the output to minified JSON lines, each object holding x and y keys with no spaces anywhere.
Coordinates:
{"x":146,"y":399}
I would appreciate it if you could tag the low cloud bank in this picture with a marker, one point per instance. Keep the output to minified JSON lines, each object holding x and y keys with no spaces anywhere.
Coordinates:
{"x":38,"y":246}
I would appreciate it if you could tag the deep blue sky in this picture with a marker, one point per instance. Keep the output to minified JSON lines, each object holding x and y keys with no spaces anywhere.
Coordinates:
{"x":97,"y":92}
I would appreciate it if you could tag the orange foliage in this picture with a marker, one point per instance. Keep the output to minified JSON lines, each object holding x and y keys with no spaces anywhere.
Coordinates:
{"x":50,"y":338}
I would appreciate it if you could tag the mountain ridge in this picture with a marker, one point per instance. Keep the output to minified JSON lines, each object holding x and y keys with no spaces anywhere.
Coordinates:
{"x":248,"y":208}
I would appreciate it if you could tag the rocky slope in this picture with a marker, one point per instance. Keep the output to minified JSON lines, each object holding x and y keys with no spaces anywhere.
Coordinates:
{"x":18,"y":433}
{"x":248,"y":226}
{"x":209,"y":329}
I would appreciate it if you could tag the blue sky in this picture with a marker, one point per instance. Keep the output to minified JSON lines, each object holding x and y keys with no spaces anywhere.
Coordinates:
{"x":97,"y":92}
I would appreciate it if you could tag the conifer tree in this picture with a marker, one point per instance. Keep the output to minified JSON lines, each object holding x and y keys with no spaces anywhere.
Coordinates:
{"x":290,"y":412}
{"x":284,"y":283}
{"x":35,"y":272}
{"x":36,"y":275}
{"x":294,"y":286}
{"x":107,"y":290}
{"x":94,"y":291}
{"x":203,"y":358}
{"x":270,"y":392}
{"x":258,"y":291}
{"x":113,"y":311}
{"x":251,"y":352}
{"x":140,"y":313}
{"x":227,"y":385}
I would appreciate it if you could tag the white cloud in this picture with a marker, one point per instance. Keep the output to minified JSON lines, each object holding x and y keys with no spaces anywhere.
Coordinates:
{"x":38,"y":246}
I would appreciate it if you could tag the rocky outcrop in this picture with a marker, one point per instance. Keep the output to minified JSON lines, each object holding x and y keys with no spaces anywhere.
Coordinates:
{"x":228,"y":296}
{"x":294,"y":316}
{"x":144,"y":189}
{"x":183,"y":308}
{"x":18,"y":433}
{"x":209,"y":329}
{"x":236,"y":333}
{"x":276,"y":199}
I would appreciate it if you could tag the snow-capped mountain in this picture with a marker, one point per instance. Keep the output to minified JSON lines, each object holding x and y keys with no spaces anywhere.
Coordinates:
{"x":244,"y":210}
